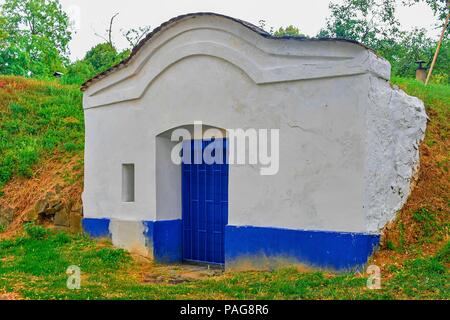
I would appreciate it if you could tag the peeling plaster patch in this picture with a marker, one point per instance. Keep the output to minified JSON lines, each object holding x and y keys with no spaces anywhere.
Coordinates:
{"x":129,"y":235}
{"x":396,"y":125}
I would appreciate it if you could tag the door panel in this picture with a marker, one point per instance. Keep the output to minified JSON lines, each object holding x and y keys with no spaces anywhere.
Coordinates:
{"x":204,"y":205}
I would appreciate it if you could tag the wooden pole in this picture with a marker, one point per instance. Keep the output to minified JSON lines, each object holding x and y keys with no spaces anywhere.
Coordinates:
{"x":437,"y":49}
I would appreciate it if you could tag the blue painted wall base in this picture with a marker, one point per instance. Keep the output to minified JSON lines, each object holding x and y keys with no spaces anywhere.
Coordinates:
{"x":163,"y":237}
{"x":331,"y":250}
{"x":96,"y":228}
{"x":324,"y":249}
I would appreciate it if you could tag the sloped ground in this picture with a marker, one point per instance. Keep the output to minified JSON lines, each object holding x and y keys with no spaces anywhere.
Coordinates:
{"x":414,"y":258}
{"x":22,"y":194}
{"x":423,"y":223}
{"x":41,"y":145}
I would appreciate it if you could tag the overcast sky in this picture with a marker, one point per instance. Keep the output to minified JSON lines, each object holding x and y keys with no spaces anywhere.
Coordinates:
{"x":92,"y":16}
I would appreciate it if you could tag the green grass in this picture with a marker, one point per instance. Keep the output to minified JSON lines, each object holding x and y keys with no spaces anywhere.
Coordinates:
{"x":431,"y":229}
{"x":35,"y":267}
{"x":37,"y":118}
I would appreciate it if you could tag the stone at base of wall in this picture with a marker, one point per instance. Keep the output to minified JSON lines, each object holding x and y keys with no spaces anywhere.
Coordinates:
{"x":245,"y":246}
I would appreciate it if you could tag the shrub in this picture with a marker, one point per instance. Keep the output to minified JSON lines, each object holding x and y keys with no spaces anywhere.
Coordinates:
{"x":35,"y":232}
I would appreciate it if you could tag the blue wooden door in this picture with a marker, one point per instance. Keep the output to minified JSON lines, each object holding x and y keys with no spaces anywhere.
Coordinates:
{"x":204,"y":205}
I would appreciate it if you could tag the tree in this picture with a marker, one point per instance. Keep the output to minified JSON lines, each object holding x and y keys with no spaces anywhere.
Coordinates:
{"x":78,"y":72}
{"x":440,"y":8}
{"x":101,"y":57}
{"x":98,"y":59}
{"x":41,"y":18}
{"x":289,"y":31}
{"x":34,"y":38}
{"x":373,"y":23}
{"x":108,"y":39}
{"x":410,"y":47}
{"x":135,"y":35}
{"x":366,"y":21}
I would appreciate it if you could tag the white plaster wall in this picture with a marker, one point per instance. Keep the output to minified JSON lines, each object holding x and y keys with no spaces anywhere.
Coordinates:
{"x":396,"y":125}
{"x":320,"y":95}
{"x":319,"y":185}
{"x":111,"y":140}
{"x":168,"y":181}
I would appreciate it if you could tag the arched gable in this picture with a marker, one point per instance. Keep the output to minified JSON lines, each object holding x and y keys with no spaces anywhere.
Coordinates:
{"x":263,"y":58}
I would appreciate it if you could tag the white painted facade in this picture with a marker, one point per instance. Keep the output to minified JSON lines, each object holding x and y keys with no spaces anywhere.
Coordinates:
{"x":348,"y":141}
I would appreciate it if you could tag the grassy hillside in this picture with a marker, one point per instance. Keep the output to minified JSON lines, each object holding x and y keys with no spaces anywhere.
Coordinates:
{"x":41,"y":142}
{"x":37,"y":119}
{"x":41,"y":145}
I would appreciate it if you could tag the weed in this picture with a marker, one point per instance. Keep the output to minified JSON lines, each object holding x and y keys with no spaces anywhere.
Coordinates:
{"x":430,"y":228}
{"x":390,"y":245}
{"x":444,"y":254}
{"x":35,"y":232}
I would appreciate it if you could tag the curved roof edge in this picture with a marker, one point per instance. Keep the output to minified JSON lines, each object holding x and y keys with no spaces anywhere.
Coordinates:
{"x":167,"y":24}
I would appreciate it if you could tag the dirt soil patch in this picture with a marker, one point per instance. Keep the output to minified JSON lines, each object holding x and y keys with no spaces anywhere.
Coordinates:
{"x":22,"y":194}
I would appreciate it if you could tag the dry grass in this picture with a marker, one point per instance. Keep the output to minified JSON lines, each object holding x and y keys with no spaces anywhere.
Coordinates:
{"x":431,"y":191}
{"x":21,"y":194}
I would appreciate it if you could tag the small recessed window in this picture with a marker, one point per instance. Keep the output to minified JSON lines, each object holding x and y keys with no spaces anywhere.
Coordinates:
{"x":128,"y":182}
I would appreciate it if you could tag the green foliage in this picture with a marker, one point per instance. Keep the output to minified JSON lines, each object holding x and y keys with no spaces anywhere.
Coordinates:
{"x":366,"y":21}
{"x":98,"y":59}
{"x":101,"y":57}
{"x":34,"y":37}
{"x":430,"y":228}
{"x":390,"y":245}
{"x":373,"y":23}
{"x":290,"y":31}
{"x":439,"y":7}
{"x":78,"y":72}
{"x":36,"y":121}
{"x":35,"y":232}
{"x":44,"y":18}
{"x":413,"y":46}
{"x":444,"y":254}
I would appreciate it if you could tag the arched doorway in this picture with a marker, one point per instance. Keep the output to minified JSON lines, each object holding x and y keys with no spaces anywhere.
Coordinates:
{"x":195,"y":191}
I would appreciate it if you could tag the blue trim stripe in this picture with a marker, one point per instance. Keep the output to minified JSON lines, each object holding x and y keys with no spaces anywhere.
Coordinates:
{"x":96,"y":227}
{"x":324,"y":249}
